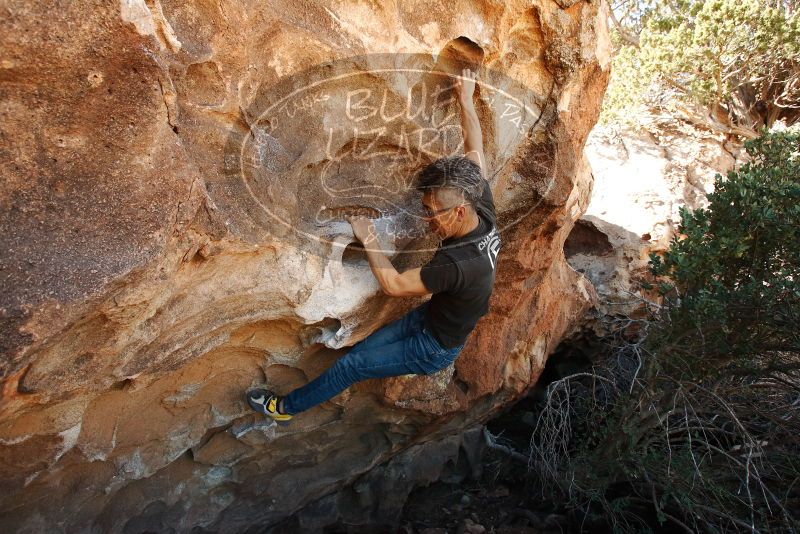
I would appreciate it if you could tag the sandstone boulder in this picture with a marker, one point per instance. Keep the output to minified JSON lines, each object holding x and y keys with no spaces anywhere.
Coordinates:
{"x":174,"y":179}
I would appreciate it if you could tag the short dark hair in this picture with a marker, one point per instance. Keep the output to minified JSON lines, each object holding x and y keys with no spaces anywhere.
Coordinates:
{"x":453,"y":172}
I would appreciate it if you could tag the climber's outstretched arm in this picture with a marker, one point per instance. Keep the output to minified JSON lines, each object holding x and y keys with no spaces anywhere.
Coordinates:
{"x":470,"y":125}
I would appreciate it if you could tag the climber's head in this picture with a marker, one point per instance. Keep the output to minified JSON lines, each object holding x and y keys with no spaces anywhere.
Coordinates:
{"x":450,"y":188}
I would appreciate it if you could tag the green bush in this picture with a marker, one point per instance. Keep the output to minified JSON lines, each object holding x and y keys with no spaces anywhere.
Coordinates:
{"x":694,"y":419}
{"x":736,"y":264}
{"x":739,"y":60}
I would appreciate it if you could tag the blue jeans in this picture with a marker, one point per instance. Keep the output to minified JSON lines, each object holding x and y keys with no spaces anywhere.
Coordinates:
{"x":404,"y":346}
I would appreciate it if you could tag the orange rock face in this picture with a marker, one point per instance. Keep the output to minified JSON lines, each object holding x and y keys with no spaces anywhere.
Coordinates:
{"x":175,"y":177}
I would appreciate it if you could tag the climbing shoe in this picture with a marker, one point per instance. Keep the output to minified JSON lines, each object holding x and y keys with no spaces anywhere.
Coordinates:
{"x":266,"y":402}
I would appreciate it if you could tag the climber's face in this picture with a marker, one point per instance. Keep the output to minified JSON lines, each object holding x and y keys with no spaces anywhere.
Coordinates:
{"x":444,"y":212}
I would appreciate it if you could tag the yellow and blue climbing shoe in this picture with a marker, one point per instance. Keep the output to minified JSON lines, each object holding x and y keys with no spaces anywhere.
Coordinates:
{"x":266,"y":402}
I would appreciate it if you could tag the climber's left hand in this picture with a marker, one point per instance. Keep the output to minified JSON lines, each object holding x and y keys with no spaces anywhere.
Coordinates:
{"x":465,"y":85}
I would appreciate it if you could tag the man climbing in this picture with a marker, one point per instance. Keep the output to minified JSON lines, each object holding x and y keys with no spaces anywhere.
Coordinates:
{"x":459,"y":208}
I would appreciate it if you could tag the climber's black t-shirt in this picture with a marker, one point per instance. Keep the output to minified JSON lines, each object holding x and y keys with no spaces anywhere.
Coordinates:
{"x":461,"y":277}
